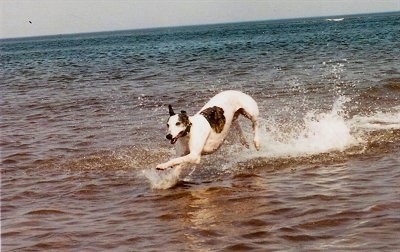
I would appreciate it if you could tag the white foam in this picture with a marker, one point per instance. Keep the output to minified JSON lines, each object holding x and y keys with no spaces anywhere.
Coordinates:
{"x":319,"y":133}
{"x":378,"y":121}
{"x":335,"y":19}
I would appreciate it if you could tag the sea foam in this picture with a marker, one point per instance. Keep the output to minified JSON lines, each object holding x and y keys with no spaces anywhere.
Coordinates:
{"x":378,"y":121}
{"x":319,"y":132}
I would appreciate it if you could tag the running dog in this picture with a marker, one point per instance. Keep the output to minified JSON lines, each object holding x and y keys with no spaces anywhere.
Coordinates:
{"x":205,"y":132}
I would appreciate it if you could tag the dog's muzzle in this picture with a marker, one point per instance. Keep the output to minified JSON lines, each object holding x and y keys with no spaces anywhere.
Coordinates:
{"x":169,"y":137}
{"x":174,"y":139}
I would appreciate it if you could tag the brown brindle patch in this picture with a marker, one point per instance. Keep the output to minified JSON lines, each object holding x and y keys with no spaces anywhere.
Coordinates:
{"x":215,"y":117}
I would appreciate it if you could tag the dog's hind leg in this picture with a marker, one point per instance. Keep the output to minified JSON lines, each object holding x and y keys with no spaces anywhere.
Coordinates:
{"x":256,"y":139}
{"x":251,"y":112}
{"x":236,"y":125}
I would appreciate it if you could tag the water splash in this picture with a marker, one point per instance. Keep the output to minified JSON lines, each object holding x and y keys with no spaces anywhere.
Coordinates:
{"x":318,"y":133}
{"x":162,"y":179}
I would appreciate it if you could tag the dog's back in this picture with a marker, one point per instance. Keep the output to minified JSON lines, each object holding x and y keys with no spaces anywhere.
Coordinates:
{"x":222,"y":110}
{"x":231,"y":101}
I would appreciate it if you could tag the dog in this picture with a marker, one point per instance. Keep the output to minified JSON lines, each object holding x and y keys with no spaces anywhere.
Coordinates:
{"x":204,"y":132}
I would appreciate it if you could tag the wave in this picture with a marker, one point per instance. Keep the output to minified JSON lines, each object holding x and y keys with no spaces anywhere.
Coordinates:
{"x":334,"y":19}
{"x":377,"y":121}
{"x":320,"y":137}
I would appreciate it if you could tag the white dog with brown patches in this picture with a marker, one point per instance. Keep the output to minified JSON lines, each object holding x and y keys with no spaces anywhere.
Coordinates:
{"x":204,"y":132}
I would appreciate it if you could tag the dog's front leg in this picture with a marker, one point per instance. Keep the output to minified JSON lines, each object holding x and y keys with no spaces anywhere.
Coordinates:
{"x":190,"y":158}
{"x":196,"y":145}
{"x":183,"y":153}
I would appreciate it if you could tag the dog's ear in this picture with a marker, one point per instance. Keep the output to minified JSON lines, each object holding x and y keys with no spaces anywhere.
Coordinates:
{"x":183,"y":111}
{"x":171,"y":111}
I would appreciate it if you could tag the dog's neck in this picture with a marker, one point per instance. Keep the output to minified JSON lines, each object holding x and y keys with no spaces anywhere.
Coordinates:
{"x":187,"y":130}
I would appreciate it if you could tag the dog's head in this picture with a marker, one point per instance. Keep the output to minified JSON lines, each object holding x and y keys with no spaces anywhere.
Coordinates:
{"x":178,"y":125}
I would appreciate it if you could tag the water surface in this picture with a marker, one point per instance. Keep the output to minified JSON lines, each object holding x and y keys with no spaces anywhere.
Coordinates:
{"x":83,"y":127}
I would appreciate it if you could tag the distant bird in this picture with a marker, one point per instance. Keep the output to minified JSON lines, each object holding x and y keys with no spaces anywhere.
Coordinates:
{"x":30,"y":22}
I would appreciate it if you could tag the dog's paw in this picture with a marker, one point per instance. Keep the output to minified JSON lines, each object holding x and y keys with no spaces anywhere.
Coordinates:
{"x":162,"y":167}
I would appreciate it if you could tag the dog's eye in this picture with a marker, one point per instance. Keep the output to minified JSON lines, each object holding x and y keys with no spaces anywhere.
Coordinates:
{"x":167,"y":125}
{"x":178,"y":123}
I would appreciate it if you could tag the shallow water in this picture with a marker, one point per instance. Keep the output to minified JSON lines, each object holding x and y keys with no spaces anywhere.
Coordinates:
{"x":83,"y":127}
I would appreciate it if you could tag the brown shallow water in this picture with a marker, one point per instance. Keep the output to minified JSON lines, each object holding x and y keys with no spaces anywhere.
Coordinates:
{"x":346,"y":205}
{"x":72,"y":179}
{"x":339,"y":200}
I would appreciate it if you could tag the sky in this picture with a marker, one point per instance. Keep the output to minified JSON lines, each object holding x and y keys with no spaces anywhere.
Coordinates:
{"x":23,"y":18}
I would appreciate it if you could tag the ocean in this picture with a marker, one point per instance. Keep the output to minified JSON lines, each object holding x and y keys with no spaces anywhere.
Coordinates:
{"x":83,"y":125}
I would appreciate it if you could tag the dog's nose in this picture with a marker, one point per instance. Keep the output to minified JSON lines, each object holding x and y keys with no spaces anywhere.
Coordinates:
{"x":169,"y":136}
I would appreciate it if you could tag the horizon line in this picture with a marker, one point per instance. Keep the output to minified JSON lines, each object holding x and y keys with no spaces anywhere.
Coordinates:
{"x":200,"y":24}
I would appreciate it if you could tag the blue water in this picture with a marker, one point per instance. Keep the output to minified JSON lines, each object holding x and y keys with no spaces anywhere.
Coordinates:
{"x":83,"y":114}
{"x":209,"y":53}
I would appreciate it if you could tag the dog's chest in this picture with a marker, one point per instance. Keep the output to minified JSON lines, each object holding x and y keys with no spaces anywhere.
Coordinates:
{"x":210,"y":148}
{"x":214,"y":141}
